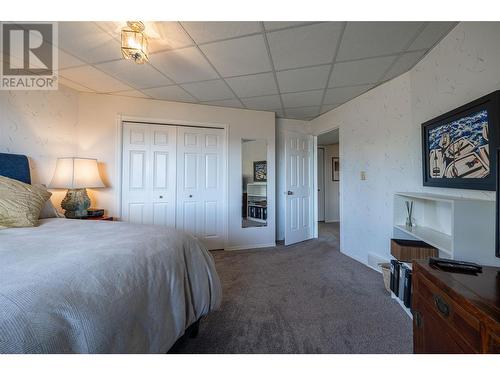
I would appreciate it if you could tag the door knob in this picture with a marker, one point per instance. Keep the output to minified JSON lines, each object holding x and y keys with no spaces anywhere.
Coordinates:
{"x":161,"y":196}
{"x":190,"y":195}
{"x":289,"y":192}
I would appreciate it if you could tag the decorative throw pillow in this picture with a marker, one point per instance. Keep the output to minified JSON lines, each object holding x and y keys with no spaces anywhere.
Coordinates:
{"x":48,"y":210}
{"x":20,"y":203}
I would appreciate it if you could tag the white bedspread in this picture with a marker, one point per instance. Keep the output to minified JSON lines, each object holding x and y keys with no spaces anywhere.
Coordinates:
{"x":73,"y":286}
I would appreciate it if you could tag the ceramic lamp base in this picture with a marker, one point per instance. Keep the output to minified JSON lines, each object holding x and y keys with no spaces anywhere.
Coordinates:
{"x":75,"y":203}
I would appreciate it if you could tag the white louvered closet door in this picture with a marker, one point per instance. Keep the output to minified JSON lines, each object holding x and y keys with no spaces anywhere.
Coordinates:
{"x":149,"y":174}
{"x":200,"y":191}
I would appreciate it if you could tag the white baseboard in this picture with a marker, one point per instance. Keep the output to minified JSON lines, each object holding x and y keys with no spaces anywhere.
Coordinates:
{"x":249,"y":247}
{"x":374,"y":259}
{"x":365,"y":263}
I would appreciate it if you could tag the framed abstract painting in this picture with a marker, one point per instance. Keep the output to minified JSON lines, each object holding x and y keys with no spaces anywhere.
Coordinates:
{"x":459,"y":147}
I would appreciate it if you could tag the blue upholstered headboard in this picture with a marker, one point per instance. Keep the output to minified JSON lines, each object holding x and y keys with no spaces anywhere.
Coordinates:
{"x":16,"y":167}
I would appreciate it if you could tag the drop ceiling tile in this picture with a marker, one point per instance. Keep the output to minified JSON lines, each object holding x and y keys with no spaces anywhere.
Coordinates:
{"x":113,"y":28}
{"x":88,"y":42}
{"x":183,"y":65}
{"x":203,"y":32}
{"x":279,"y":112}
{"x":136,"y":75}
{"x":343,"y":94}
{"x":68,"y":61}
{"x":303,"y":79}
{"x":274,"y":25}
{"x":302,"y":99}
{"x":404,"y":63}
{"x":73,"y":85}
{"x":368,"y":39}
{"x":306,"y":45}
{"x":360,"y":72}
{"x":172,"y":93}
{"x":131,"y":93}
{"x":166,"y":35}
{"x":232,"y":103}
{"x":209,"y":90}
{"x":302,"y":112}
{"x":328,"y":108}
{"x":262,"y":103}
{"x":94,"y":79}
{"x":253,"y":85}
{"x":240,"y":56}
{"x":432,"y":33}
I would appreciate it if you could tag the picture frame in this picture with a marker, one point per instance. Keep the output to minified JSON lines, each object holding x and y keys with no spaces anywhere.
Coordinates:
{"x":260,"y":171}
{"x":497,"y":225}
{"x":335,"y":169}
{"x":459,"y":147}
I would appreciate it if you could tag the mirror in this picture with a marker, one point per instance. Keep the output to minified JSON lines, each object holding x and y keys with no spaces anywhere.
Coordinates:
{"x":254,"y":170}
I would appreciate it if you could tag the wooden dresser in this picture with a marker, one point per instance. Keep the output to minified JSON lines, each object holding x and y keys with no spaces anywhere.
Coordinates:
{"x":455,"y":313}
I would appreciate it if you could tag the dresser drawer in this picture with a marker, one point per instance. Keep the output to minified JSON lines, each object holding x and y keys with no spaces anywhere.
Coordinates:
{"x":449,"y":313}
{"x":430,"y":335}
{"x":493,"y":343}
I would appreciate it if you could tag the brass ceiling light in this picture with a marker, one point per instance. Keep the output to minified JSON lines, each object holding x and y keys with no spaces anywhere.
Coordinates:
{"x":135,"y":42}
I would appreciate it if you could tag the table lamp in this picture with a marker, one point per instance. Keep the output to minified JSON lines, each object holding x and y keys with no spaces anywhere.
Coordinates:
{"x":76,"y":174}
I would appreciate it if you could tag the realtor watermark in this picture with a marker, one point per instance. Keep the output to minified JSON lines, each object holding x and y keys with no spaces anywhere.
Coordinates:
{"x":29,"y":58}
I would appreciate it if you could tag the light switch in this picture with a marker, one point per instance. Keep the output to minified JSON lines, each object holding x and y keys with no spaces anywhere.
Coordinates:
{"x":362,"y":175}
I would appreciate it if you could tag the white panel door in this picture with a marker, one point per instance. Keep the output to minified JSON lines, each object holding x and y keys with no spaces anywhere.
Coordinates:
{"x":200,"y":190}
{"x":321,"y":184}
{"x":149,"y":172}
{"x":163,"y":167}
{"x":299,"y":186}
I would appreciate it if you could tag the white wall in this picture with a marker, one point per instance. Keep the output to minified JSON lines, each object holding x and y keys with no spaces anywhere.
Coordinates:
{"x":46,"y":125}
{"x":283,"y":125}
{"x":41,"y":125}
{"x":332,"y":197}
{"x":380,"y":132}
{"x":97,"y":137}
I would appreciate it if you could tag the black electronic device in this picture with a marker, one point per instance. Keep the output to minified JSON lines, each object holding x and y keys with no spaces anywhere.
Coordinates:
{"x":95,"y":212}
{"x":455,"y":265}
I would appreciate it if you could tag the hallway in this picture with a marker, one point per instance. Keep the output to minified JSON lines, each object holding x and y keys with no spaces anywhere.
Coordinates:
{"x":329,"y":232}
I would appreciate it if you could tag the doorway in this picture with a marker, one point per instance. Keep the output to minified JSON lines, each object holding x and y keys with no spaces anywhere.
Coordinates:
{"x":328,"y":192}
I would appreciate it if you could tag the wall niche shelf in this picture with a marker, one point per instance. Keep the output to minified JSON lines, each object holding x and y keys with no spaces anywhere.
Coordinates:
{"x":460,"y":228}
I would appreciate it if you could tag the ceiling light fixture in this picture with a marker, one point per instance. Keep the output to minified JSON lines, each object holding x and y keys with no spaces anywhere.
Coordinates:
{"x":135,"y":42}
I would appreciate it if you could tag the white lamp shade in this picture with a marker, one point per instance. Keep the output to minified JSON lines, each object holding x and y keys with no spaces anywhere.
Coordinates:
{"x":76,"y":173}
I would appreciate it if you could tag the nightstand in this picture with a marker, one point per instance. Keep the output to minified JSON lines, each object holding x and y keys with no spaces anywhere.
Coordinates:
{"x":105,"y":218}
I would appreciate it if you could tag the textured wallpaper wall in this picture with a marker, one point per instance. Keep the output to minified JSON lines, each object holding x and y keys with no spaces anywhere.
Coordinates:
{"x":380,"y":132}
{"x":42,"y":125}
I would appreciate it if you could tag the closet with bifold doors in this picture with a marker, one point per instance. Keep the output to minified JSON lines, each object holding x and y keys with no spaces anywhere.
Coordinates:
{"x":174,"y":176}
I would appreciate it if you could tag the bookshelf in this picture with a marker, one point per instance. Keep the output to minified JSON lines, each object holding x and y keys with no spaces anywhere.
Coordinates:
{"x":257,"y":202}
{"x":460,"y":228}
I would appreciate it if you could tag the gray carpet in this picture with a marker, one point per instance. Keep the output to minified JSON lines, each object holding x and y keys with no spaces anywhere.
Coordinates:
{"x":305,"y":298}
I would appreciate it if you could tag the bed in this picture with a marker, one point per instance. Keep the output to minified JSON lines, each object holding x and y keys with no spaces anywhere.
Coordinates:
{"x":77,"y":286}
